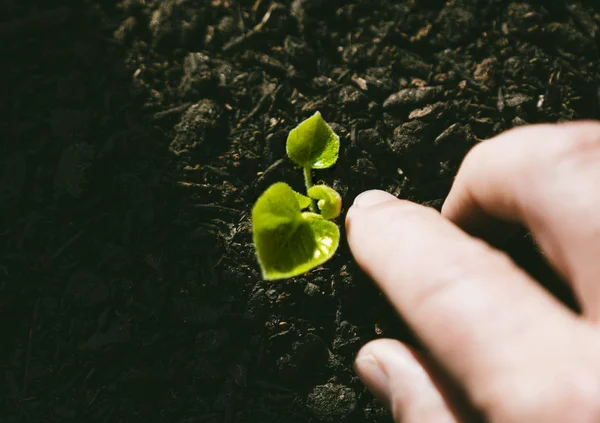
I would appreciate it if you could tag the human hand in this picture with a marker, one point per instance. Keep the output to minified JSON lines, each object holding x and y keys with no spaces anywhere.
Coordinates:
{"x":519,"y":355}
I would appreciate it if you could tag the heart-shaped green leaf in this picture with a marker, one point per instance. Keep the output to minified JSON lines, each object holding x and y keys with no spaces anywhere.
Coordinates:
{"x":329,"y":201}
{"x":313,"y":144}
{"x":289,"y":242}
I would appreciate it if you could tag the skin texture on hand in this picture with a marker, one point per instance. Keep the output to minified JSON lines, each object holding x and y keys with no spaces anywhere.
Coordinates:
{"x":517,"y":353}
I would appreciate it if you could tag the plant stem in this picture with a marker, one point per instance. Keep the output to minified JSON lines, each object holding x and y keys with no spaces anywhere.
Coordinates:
{"x":308,"y":178}
{"x":309,"y":184}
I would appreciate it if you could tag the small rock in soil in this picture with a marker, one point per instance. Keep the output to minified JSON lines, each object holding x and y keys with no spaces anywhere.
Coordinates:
{"x":200,"y":125}
{"x":272,"y":294}
{"x":516,"y":99}
{"x":311,"y":289}
{"x":404,"y":140}
{"x":379,"y":84}
{"x":332,"y":402}
{"x":371,"y":140}
{"x":365,"y":169}
{"x":411,"y":97}
{"x":352,"y":98}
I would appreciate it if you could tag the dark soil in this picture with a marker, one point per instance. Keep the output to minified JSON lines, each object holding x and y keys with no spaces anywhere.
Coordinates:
{"x":137,"y":134}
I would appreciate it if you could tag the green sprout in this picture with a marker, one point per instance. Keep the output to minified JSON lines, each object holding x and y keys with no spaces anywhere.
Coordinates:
{"x":289,"y":234}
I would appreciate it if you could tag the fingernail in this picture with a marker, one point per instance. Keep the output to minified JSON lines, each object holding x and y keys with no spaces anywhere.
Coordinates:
{"x":372,"y":374}
{"x":372,"y":197}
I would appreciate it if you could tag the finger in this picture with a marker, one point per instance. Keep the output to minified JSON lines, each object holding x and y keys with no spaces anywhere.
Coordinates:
{"x":547,"y":178}
{"x":482,"y":317}
{"x":406,"y":383}
{"x":398,"y":377}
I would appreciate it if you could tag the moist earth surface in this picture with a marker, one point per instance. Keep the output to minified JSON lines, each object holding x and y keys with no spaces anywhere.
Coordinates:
{"x":137,"y":134}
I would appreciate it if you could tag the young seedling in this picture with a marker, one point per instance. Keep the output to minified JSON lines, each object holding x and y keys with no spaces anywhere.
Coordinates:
{"x":289,"y":239}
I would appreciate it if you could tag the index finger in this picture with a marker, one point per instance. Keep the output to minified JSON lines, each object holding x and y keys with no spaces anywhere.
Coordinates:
{"x":484,"y":318}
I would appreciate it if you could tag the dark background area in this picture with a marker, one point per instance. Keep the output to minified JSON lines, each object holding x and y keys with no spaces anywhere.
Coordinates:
{"x":137,"y":134}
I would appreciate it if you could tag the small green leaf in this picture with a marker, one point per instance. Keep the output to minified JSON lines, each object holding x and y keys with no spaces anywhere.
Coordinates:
{"x":276,"y":207}
{"x":289,"y":242}
{"x":329,"y":201}
{"x":313,"y":144}
{"x":303,"y":200}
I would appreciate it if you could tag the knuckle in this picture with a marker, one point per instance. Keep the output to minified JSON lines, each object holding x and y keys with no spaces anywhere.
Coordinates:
{"x":472,"y":157}
{"x":573,"y":396}
{"x":566,"y":147}
{"x":580,"y":145}
{"x":573,"y":173}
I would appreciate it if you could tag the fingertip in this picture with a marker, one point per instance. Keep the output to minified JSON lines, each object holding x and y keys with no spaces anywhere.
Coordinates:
{"x":403,"y":381}
{"x":372,"y":198}
{"x":366,"y":200}
{"x":380,"y":217}
{"x":380,"y":362}
{"x":369,"y":200}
